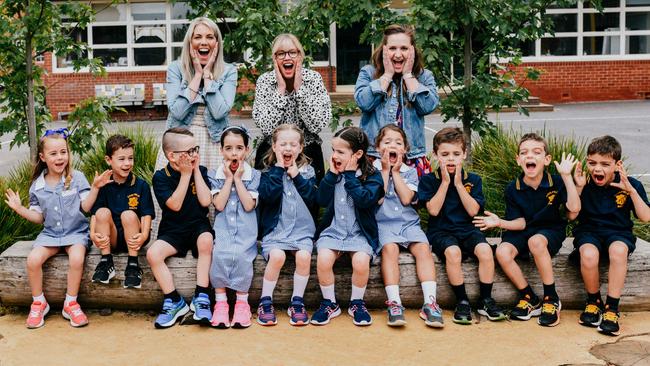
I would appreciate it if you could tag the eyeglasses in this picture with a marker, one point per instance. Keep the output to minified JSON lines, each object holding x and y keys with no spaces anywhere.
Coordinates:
{"x":190,"y":151}
{"x":282,"y":54}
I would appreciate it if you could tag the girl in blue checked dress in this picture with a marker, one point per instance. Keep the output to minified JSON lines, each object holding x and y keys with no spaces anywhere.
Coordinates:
{"x":350,"y":192}
{"x":234,"y":189}
{"x":287,"y":195}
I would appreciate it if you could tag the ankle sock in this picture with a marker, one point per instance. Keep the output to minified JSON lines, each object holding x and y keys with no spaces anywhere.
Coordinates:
{"x":40,"y":298}
{"x":70,"y":298}
{"x":612,"y":303}
{"x":268,"y":287}
{"x":328,"y":293}
{"x":549,"y":290}
{"x":132,"y":261}
{"x":242,"y":297}
{"x":299,"y":285}
{"x":595,"y":298}
{"x":459,"y":291}
{"x":220,"y":296}
{"x":429,"y":289}
{"x":528,"y":291}
{"x":392,"y":292}
{"x":174,"y":295}
{"x":485,"y":290}
{"x":357,"y":292}
{"x":201,"y":290}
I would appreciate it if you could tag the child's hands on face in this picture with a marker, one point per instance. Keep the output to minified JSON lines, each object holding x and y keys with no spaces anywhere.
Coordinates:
{"x":488,"y":221}
{"x":444,"y":173}
{"x":385,"y":161}
{"x":567,"y":163}
{"x":239,"y":173}
{"x":13,"y":199}
{"x":103,"y":179}
{"x":185,"y":164}
{"x":279,"y":159}
{"x":398,"y":163}
{"x":226,"y":169}
{"x":624,"y":183}
{"x":333,"y":166}
{"x":293,"y":169}
{"x":352,"y":164}
{"x":458,"y":175}
{"x":579,"y":177}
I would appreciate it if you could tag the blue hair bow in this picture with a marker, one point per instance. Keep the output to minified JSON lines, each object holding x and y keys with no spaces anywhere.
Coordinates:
{"x":59,"y":131}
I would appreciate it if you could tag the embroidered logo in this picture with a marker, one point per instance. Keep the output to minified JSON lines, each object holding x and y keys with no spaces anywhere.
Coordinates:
{"x":621,"y":198}
{"x":134,"y":201}
{"x":550,"y":197}
{"x":468,"y":187}
{"x":193,"y":188}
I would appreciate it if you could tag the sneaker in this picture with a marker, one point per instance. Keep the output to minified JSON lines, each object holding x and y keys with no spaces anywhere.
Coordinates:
{"x":550,"y":312}
{"x":200,"y":305}
{"x":359,"y":313}
{"x":489,"y":308}
{"x":609,"y":325}
{"x":220,"y":317}
{"x":104,"y":271}
{"x":297,"y":313}
{"x":242,"y":316}
{"x":325,"y":312}
{"x":432,"y":314}
{"x":73,"y":313}
{"x":37,"y":313}
{"x":266,"y":312}
{"x":592,"y":315}
{"x":395,"y":314}
{"x":525,"y":309}
{"x":132,"y":276}
{"x":171,"y":311}
{"x":463,"y":313}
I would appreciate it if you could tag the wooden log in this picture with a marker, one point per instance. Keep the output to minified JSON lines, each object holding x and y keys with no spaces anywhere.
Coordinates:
{"x":14,"y":287}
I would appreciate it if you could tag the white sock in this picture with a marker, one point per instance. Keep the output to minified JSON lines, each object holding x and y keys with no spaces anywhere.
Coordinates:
{"x":242,"y":297}
{"x":40,"y":298}
{"x":268,"y":287}
{"x":299,"y":285}
{"x":392,"y":292}
{"x":69,"y":299}
{"x":429,"y":290}
{"x":328,"y":293}
{"x":357,"y":292}
{"x":220,"y":296}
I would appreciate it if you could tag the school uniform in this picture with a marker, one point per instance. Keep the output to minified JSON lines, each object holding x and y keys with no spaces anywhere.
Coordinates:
{"x":453,"y":225}
{"x":133,"y":195}
{"x":541,"y":208}
{"x":235,"y":241}
{"x":605,"y":215}
{"x":181,"y":229}
{"x":348,"y":223}
{"x":285,"y":220}
{"x":64,"y":222}
{"x":397,"y":223}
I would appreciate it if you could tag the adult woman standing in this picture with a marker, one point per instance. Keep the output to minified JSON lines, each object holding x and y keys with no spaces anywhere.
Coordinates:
{"x":292,"y":94}
{"x":397,"y":89}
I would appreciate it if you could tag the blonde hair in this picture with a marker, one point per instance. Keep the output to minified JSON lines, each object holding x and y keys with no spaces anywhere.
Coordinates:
{"x":301,"y":160}
{"x":287,"y":37}
{"x":40,"y":165}
{"x":186,"y":59}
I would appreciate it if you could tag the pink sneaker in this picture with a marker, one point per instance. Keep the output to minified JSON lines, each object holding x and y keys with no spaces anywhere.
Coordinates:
{"x":73,"y":313}
{"x":37,"y":312}
{"x":242,"y":316}
{"x":220,"y":315}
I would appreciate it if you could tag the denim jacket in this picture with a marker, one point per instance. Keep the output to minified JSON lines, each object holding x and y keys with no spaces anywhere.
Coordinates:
{"x":218,"y":99}
{"x":379,"y":109}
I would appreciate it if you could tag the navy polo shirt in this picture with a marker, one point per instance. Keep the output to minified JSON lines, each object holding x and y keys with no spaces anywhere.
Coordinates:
{"x":134,"y":194}
{"x":191,"y":214}
{"x":606,"y":209}
{"x":452,"y":216}
{"x":539,"y":207}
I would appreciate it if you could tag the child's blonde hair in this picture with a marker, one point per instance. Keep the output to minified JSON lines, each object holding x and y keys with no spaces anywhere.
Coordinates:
{"x":301,"y":160}
{"x":40,"y":165}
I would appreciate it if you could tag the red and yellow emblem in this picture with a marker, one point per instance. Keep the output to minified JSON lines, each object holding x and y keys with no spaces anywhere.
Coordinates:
{"x":621,"y":198}
{"x":134,"y":201}
{"x":468,"y":187}
{"x":550,"y":197}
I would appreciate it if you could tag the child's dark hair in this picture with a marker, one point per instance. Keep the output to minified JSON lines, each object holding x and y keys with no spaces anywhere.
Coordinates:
{"x":606,"y":146}
{"x":358,"y":140}
{"x":532,"y":136}
{"x":394,"y":128}
{"x":117,"y":142}
{"x":449,"y":135}
{"x":235,"y":130}
{"x":166,"y":143}
{"x":40,"y":165}
{"x":302,"y":159}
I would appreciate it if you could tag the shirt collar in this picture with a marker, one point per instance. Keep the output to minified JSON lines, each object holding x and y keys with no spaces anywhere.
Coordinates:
{"x":248,"y":172}
{"x":39,"y":183}
{"x":130,"y":180}
{"x":402,"y":169}
{"x":171,"y":172}
{"x":547,"y":182}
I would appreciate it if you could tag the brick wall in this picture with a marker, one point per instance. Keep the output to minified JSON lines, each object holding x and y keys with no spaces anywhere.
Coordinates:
{"x":589,"y":81}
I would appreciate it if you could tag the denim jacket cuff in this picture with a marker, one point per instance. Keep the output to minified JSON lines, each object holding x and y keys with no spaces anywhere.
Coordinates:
{"x":375,"y":87}
{"x":412,"y":95}
{"x":214,"y":86}
{"x":198,"y":99}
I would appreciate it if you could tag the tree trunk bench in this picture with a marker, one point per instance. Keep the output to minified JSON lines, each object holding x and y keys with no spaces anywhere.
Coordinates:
{"x":14,"y":287}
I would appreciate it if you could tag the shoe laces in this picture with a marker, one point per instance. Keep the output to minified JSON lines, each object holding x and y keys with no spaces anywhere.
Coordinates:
{"x":434,"y":307}
{"x":35,"y":310}
{"x":266,"y":308}
{"x":75,"y":310}
{"x":326,"y":307}
{"x":610,"y":316}
{"x":491,"y":305}
{"x":592,"y":309}
{"x":524,"y":304}
{"x":297,"y":308}
{"x":394,"y":308}
{"x":168,"y":307}
{"x":203,"y":305}
{"x":549,"y":308}
{"x":359,"y":306}
{"x":132,"y":270}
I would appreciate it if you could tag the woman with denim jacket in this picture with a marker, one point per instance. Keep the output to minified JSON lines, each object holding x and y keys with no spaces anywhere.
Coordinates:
{"x":397,"y":89}
{"x":201,"y":90}
{"x":292,"y":94}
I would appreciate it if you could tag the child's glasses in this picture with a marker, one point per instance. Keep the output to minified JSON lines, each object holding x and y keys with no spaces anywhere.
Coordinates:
{"x":190,"y":151}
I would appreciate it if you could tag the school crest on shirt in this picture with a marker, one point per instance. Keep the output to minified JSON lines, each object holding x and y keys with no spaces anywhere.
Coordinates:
{"x":134,"y":201}
{"x":193,"y":188}
{"x":468,"y":187}
{"x":550,"y":197}
{"x":621,"y":198}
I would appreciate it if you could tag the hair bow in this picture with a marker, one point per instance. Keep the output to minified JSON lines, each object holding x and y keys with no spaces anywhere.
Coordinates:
{"x":59,"y":131}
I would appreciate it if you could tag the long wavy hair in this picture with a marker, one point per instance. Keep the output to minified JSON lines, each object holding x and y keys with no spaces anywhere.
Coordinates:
{"x":302,"y":159}
{"x":186,"y":58}
{"x":40,"y":165}
{"x":358,"y":140}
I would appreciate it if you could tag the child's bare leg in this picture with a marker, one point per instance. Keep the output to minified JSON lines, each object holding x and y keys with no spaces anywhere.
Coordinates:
{"x":301,"y":274}
{"x":131,"y":226}
{"x":424,"y":264}
{"x":483,"y":252}
{"x":35,"y":260}
{"x":453,"y":260}
{"x":538,"y":246}
{"x":156,"y":255}
{"x":389,"y":266}
{"x":324,"y":264}
{"x":506,"y":254}
{"x":618,"y":252}
{"x":272,"y":271}
{"x":360,"y":274}
{"x":589,"y":258}
{"x":104,"y":225}
{"x":76,"y":257}
{"x":204,"y":245}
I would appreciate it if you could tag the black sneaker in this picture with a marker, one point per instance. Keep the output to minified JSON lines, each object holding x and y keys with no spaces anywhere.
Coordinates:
{"x":489,"y":308}
{"x":592,"y":315}
{"x":609,"y":325}
{"x":104,"y":271}
{"x":526,"y":308}
{"x":463,"y":313}
{"x":132,"y":276}
{"x":550,"y":316}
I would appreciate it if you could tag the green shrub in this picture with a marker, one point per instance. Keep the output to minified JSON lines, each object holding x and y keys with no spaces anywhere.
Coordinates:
{"x":14,"y":227}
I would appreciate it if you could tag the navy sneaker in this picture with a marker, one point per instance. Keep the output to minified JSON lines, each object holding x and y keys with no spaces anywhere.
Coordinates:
{"x":171,"y":311}
{"x":359,"y":313}
{"x":201,"y":307}
{"x":325,"y":312}
{"x":266,"y":312}
{"x":297,"y":313}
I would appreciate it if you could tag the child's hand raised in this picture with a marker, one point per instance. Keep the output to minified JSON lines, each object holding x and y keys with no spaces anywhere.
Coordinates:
{"x":385,"y":161}
{"x":185,"y":165}
{"x":624,"y":183}
{"x":239,"y":173}
{"x":458,"y":175}
{"x":13,"y":199}
{"x":103,"y":179}
{"x":226,"y":169}
{"x":279,"y":159}
{"x":486,"y":222}
{"x":444,"y":175}
{"x":333,"y":166}
{"x":565,"y":166}
{"x":293,"y":169}
{"x":352,"y":164}
{"x":400,"y":159}
{"x":579,"y":177}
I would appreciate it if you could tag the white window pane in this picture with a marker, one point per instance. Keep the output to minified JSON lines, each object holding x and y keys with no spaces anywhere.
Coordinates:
{"x":149,"y":33}
{"x":112,"y":57}
{"x":148,"y":11}
{"x":150,"y":56}
{"x":113,"y":13}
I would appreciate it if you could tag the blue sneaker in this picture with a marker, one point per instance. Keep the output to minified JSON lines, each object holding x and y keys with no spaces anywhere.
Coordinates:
{"x":266,"y":312}
{"x":200,"y":305}
{"x":325,"y":312}
{"x":171,"y":311}
{"x":359,"y":313}
{"x":297,"y":313}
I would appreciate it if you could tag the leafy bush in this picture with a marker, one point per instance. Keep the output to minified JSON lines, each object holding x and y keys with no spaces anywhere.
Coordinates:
{"x":14,"y":227}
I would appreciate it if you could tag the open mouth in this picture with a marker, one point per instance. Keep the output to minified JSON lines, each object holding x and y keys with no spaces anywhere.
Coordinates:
{"x":204,"y":51}
{"x":287,"y":158}
{"x":530,"y":166}
{"x":392,"y":157}
{"x":398,"y":64}
{"x":234,"y":165}
{"x":451,"y":167}
{"x":599,"y":178}
{"x":338,"y":165}
{"x":288,"y":66}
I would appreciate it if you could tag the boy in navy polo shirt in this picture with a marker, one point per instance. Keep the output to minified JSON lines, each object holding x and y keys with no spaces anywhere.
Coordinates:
{"x":182,"y":189}
{"x":452,"y":197}
{"x":535,"y":225}
{"x":608,"y":197}
{"x":122,"y":214}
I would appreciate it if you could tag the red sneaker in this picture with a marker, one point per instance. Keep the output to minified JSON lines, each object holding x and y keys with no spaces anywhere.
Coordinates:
{"x":74,"y":314}
{"x":37,"y":312}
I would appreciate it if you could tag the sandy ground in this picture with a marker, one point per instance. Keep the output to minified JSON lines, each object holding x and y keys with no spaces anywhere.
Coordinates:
{"x":129,"y":338}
